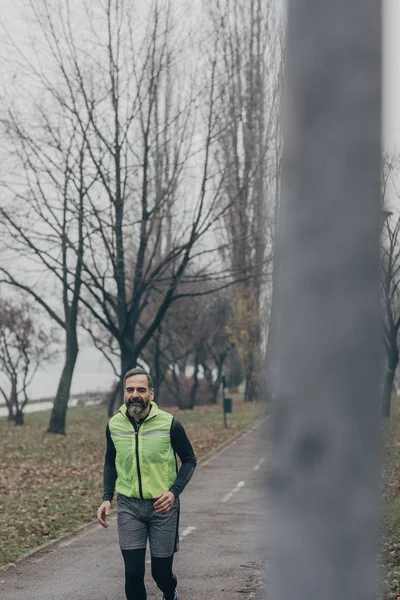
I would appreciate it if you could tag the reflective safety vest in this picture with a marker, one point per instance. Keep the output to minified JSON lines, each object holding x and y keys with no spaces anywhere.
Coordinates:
{"x":145,"y":460}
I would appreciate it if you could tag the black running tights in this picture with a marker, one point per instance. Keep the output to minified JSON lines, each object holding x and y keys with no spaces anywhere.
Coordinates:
{"x":161,"y":570}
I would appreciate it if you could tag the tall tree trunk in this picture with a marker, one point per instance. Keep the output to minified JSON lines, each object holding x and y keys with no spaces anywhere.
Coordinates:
{"x":59,"y":412}
{"x":251,"y":392}
{"x":251,"y":339}
{"x":193,"y":391}
{"x":176,"y":381}
{"x":128,"y":358}
{"x":60,"y":407}
{"x":214,"y":385}
{"x":116,"y":391}
{"x":267,"y":373}
{"x":393,"y":360}
{"x":13,"y":408}
{"x":10,"y":413}
{"x":215,"y":390}
{"x":217,"y":383}
{"x":128,"y":353}
{"x":19,"y":416}
{"x":208,"y":376}
{"x":158,"y":371}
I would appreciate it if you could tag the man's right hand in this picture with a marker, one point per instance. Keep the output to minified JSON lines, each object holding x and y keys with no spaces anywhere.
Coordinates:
{"x":103,"y":512}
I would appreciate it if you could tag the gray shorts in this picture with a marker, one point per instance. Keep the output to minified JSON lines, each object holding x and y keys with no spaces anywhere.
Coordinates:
{"x":137,"y":521}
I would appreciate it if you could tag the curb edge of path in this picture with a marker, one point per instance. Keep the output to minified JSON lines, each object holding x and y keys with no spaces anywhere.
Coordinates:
{"x":202,"y":462}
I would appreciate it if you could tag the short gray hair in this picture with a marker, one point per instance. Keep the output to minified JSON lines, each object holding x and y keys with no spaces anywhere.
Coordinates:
{"x":139,"y":371}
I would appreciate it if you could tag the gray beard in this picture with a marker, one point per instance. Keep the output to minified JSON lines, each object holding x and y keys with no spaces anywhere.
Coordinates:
{"x":135,"y":410}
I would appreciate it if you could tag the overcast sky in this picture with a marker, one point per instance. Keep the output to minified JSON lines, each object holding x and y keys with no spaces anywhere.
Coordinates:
{"x":92,"y":372}
{"x":391,"y":72}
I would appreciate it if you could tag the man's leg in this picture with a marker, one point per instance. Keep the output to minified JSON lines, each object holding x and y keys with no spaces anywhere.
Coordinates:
{"x":134,"y":574}
{"x":132,"y":532}
{"x":164,"y":542}
{"x":161,"y":570}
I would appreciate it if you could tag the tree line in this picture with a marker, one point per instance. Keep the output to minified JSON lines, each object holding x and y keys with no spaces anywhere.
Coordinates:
{"x":140,"y":176}
{"x":140,"y":185}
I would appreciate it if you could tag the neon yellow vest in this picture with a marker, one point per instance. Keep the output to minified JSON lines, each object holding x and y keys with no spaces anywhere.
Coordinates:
{"x":145,"y":461}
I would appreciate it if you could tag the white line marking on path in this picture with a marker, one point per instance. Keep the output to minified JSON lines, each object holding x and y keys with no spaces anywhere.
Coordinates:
{"x":187,"y":531}
{"x":258,"y":465}
{"x":239,"y":485}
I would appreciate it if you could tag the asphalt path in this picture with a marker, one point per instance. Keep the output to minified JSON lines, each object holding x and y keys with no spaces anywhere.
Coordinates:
{"x":222,"y":541}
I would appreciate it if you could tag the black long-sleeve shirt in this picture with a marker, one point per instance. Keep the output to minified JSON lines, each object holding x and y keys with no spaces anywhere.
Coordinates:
{"x":181,"y":446}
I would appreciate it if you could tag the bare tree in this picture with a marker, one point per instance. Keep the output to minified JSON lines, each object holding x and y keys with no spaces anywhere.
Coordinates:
{"x":136,"y":117}
{"x":197,"y":333}
{"x":24,"y":347}
{"x":249,"y":82}
{"x":390,"y":271}
{"x":216,"y":339}
{"x":147,"y":186}
{"x":390,"y":280}
{"x":171,"y":347}
{"x":147,"y":220}
{"x":43,"y":223}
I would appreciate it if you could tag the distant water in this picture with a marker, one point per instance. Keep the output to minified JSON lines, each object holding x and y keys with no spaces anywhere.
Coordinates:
{"x":36,"y":407}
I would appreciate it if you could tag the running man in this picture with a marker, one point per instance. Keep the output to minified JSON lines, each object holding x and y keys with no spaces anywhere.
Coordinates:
{"x":140,"y":465}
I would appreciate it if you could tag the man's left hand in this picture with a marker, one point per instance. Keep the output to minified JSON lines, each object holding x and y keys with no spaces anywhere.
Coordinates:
{"x":164,"y":502}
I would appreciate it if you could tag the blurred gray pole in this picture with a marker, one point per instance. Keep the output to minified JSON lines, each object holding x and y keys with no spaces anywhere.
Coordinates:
{"x":323,"y":511}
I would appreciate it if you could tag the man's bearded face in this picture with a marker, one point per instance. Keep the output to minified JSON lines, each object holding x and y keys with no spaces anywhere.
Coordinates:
{"x":137,"y":394}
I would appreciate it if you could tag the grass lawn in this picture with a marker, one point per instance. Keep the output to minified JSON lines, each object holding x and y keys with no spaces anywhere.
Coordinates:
{"x":50,"y":485}
{"x":391,"y":521}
